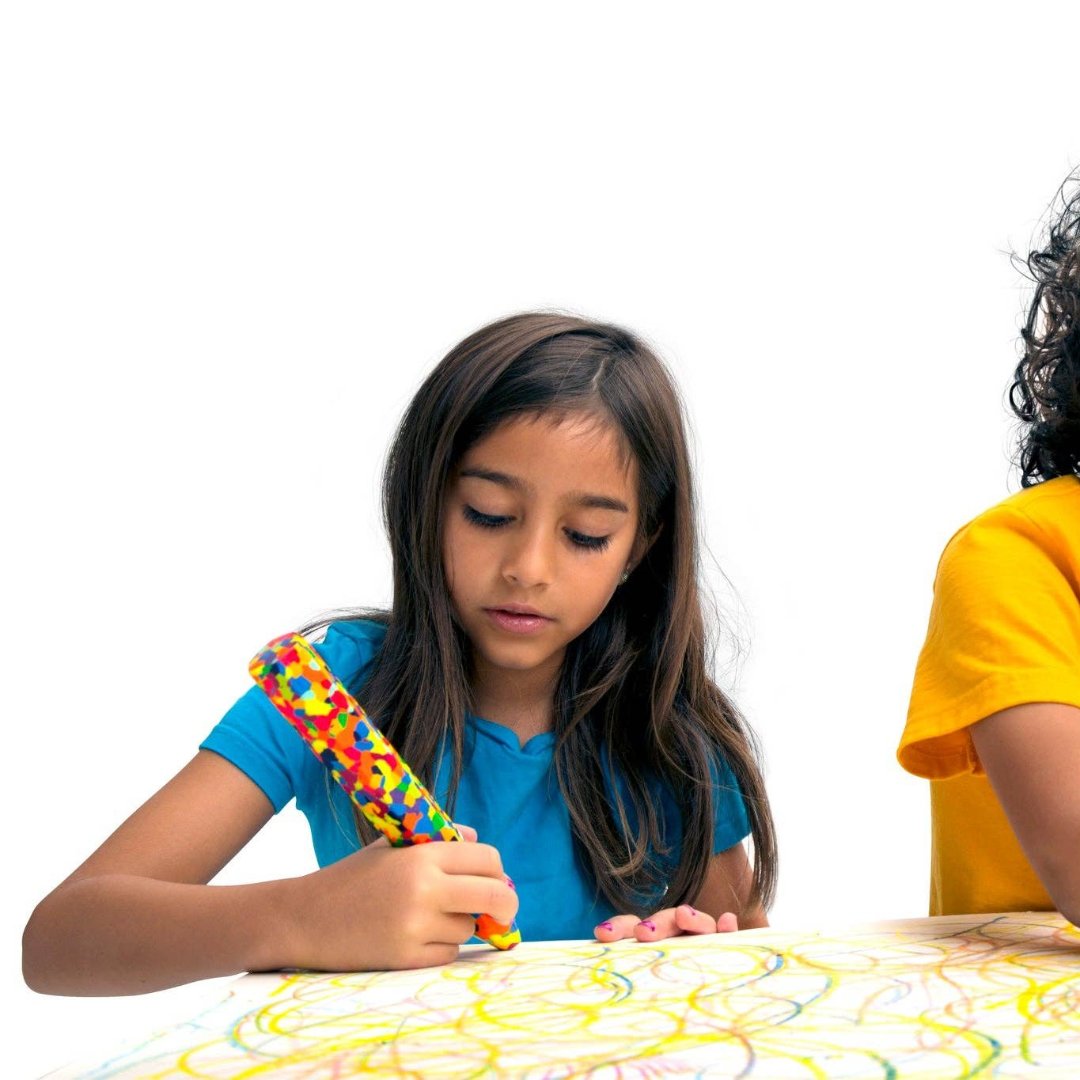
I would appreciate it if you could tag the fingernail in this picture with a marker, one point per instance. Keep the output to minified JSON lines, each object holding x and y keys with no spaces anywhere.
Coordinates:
{"x":510,"y":883}
{"x":648,"y":924}
{"x":692,"y":911}
{"x":605,"y":926}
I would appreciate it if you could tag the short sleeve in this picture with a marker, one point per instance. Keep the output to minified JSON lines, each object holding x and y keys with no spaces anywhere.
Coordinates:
{"x":731,"y":823}
{"x":1004,"y":630}
{"x":252,"y":737}
{"x":730,"y":820}
{"x":255,"y":738}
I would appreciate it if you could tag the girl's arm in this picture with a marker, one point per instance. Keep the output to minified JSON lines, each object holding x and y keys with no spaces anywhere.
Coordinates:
{"x":720,"y":907}
{"x":727,"y":890}
{"x":136,"y":916}
{"x":1031,"y":753}
{"x":139,"y":916}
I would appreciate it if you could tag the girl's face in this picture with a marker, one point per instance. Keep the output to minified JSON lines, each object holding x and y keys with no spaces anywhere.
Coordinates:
{"x":540,"y":521}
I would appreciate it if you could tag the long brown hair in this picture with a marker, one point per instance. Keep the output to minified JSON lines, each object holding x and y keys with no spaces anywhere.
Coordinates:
{"x":635,"y":689}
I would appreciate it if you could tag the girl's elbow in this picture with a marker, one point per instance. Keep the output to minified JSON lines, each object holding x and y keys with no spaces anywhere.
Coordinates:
{"x":35,"y":965}
{"x":37,"y":979}
{"x":41,"y":954}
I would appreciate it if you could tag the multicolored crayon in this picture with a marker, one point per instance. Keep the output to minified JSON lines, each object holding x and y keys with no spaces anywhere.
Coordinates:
{"x":305,"y":691}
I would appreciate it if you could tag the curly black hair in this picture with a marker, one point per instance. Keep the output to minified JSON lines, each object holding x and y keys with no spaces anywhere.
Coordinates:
{"x":1045,"y":392}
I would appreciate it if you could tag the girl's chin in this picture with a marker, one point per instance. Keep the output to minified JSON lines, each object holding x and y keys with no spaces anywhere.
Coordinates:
{"x":520,"y":659}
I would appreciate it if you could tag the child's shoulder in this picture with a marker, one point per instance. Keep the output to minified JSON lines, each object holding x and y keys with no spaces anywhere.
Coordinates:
{"x":1049,"y":501}
{"x":1047,"y":514}
{"x":350,"y":645}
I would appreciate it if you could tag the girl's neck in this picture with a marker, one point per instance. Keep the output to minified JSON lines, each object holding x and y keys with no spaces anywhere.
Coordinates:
{"x":522,"y":701}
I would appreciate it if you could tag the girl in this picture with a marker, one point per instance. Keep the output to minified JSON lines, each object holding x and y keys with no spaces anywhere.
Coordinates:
{"x":543,"y":669}
{"x":994,"y":720}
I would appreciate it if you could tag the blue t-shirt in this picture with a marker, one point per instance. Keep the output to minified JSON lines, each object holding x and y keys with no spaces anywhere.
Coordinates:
{"x":507,"y":792}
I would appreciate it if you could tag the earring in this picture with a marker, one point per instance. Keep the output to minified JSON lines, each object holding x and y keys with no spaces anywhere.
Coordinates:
{"x":625,"y":577}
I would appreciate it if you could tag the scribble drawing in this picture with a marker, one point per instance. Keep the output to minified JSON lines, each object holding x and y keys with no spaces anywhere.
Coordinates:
{"x":952,"y":997}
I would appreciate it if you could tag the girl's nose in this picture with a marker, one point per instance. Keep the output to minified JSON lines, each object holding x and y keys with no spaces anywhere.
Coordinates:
{"x":530,"y":558}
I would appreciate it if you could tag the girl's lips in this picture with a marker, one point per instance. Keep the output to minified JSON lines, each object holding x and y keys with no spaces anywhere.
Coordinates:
{"x":517,"y":622}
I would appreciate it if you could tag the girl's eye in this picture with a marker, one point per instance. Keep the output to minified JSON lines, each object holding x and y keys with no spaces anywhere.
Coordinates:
{"x":485,"y":521}
{"x":497,"y":521}
{"x":589,"y":543}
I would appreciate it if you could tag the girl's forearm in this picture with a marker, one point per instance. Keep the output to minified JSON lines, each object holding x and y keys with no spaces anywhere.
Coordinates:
{"x":122,"y":934}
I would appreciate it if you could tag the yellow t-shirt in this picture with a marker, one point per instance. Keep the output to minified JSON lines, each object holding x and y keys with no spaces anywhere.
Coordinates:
{"x":1004,"y":630}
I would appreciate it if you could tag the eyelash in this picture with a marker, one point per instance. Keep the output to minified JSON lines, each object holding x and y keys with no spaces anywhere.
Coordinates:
{"x":493,"y":521}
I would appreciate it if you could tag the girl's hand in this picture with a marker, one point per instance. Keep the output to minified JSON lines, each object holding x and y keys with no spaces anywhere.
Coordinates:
{"x":671,"y":922}
{"x":727,"y":884}
{"x":385,"y":908}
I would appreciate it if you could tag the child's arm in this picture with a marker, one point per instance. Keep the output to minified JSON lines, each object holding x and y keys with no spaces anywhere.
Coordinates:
{"x":1031,"y":753}
{"x":139,"y":916}
{"x":720,"y":907}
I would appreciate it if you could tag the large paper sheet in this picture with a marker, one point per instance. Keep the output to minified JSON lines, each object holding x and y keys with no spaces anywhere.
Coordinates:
{"x":948,"y":997}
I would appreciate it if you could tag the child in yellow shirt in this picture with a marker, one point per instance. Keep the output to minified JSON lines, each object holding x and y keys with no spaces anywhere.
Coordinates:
{"x":994,"y":719}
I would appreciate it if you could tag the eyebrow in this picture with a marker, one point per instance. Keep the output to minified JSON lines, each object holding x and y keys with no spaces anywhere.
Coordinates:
{"x":582,"y":498}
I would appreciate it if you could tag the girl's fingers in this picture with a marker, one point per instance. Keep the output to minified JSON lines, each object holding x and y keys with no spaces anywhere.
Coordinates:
{"x":452,"y":929}
{"x":616,"y":928}
{"x":491,"y":896}
{"x":665,"y":924}
{"x":467,"y":832}
{"x":727,"y":923}
{"x":691,"y":921}
{"x":471,"y":858}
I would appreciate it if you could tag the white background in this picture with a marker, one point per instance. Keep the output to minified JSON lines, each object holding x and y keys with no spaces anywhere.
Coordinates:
{"x":236,"y":236}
